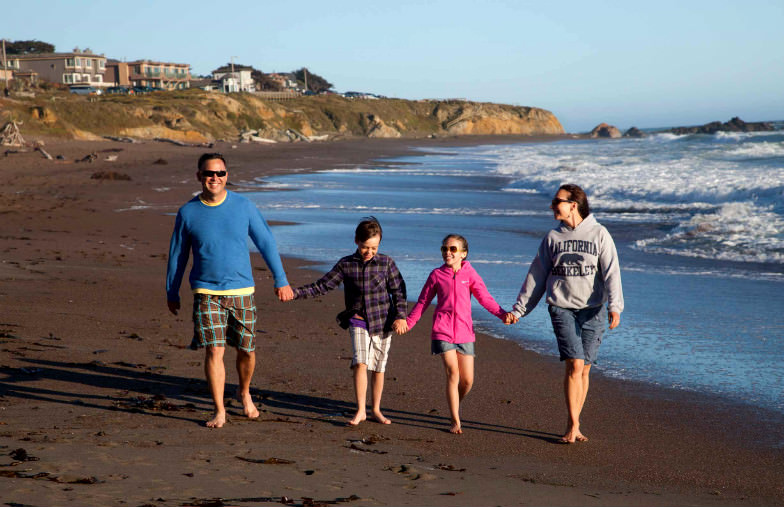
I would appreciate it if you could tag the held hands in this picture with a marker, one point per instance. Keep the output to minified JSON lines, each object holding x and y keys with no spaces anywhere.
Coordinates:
{"x":615,"y":319}
{"x":284,"y":293}
{"x":400,"y":326}
{"x":510,"y":318}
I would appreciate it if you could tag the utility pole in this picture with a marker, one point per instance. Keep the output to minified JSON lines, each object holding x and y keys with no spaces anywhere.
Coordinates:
{"x":233,"y":75}
{"x":305,"y":71}
{"x":5,"y":69}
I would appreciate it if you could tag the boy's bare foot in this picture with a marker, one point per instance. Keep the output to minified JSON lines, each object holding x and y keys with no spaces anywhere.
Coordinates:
{"x":456,"y":429}
{"x":358,"y":418}
{"x":248,"y":407}
{"x":379,"y":417}
{"x":218,"y":421}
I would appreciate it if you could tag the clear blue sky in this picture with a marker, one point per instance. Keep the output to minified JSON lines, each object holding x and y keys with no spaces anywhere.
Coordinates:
{"x":646,"y":64}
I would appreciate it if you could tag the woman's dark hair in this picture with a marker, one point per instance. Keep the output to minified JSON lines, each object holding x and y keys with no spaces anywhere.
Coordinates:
{"x":577,"y":195}
{"x":366,"y":229}
{"x":457,"y":237}
{"x":210,"y":156}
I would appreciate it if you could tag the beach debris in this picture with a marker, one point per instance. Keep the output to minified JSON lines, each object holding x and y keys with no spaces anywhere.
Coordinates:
{"x":268,"y":461}
{"x":21,"y":455}
{"x":110,"y":175}
{"x":161,"y":161}
{"x":14,"y":152}
{"x":412,"y":473}
{"x":295,"y":135}
{"x":449,"y":468}
{"x":247,"y":136}
{"x":43,"y":152}
{"x":63,"y":479}
{"x":10,"y":135}
{"x":111,"y":158}
{"x":181,"y":143}
{"x":131,"y":336}
{"x":285,"y":500}
{"x":369,"y":440}
{"x":122,"y":139}
{"x":90,"y":158}
{"x":357,"y":447}
{"x":156,"y":403}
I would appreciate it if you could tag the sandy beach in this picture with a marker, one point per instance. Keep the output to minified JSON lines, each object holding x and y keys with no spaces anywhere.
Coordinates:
{"x":101,"y":402}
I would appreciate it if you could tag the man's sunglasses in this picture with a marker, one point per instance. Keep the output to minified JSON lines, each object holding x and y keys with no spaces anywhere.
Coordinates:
{"x":210,"y":174}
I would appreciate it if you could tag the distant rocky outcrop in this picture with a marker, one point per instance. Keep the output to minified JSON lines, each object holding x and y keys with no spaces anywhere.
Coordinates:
{"x":634,"y":132}
{"x":734,"y":125}
{"x":482,"y":118}
{"x":605,"y":130}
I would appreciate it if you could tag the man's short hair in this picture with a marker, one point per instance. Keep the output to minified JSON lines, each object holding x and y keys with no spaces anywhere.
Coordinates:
{"x":210,"y":156}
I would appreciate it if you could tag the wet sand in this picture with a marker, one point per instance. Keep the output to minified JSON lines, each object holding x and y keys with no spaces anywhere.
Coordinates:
{"x":101,"y":403}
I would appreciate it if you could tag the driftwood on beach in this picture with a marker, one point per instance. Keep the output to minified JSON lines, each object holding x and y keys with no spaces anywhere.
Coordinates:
{"x":11,"y":136}
{"x":181,"y":143}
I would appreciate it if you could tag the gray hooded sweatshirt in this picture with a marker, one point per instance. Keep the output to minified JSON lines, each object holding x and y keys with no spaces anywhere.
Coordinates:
{"x":578,"y":268}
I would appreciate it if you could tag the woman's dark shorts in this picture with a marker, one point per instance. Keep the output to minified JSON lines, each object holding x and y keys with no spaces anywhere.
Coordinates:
{"x":578,"y":332}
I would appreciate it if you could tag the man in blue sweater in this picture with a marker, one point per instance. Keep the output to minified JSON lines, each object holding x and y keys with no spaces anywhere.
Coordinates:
{"x":215,"y":226}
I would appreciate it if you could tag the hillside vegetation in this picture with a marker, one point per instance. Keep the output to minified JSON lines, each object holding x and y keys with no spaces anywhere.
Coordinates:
{"x":199,"y":116}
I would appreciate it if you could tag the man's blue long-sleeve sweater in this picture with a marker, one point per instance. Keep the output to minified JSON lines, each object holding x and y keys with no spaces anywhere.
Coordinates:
{"x":218,"y":236}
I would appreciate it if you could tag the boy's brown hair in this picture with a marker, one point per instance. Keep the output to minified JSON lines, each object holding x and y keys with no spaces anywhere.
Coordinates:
{"x":366,"y":229}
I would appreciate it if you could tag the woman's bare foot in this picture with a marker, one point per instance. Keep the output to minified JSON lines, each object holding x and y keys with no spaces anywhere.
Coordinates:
{"x":379,"y":417}
{"x":573,"y":436}
{"x":358,"y":418}
{"x":248,"y":407}
{"x":218,"y":421}
{"x":456,"y":429}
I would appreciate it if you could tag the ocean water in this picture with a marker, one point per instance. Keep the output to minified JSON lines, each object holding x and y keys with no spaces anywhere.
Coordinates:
{"x":698,"y":221}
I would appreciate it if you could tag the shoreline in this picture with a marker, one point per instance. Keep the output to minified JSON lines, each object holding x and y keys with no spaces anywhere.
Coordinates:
{"x":97,"y":382}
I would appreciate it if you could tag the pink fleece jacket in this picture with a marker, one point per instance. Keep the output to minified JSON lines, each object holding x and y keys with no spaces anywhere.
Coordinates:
{"x":452,"y":320}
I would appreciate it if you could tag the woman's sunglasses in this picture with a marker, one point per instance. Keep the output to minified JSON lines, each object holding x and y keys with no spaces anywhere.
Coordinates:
{"x":453,"y":249}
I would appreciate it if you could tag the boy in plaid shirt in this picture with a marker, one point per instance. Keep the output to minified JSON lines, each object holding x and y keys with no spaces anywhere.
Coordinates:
{"x":375,"y":296}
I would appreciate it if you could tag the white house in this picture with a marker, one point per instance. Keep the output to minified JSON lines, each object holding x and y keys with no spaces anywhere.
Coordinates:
{"x":237,"y":81}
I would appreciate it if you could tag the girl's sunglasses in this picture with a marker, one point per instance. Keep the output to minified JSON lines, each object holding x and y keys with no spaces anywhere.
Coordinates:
{"x":453,"y":249}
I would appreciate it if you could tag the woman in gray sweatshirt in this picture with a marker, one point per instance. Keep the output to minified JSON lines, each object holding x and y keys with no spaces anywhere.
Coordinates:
{"x":577,"y":267}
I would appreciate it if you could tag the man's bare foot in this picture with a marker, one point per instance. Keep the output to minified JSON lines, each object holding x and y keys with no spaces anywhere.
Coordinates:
{"x":379,"y":417}
{"x":248,"y":407}
{"x":456,"y":429}
{"x":358,"y":418}
{"x":218,"y":421}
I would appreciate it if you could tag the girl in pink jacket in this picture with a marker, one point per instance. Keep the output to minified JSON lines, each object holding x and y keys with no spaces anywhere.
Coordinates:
{"x":453,"y":329}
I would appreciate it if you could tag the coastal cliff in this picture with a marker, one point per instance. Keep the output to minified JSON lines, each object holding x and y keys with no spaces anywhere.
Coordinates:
{"x":196,"y":116}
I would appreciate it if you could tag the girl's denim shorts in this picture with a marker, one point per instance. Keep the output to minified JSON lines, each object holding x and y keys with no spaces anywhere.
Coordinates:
{"x":440,"y":346}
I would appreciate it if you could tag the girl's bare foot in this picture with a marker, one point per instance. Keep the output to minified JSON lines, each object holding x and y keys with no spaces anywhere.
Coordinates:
{"x":379,"y":417}
{"x":456,"y":429}
{"x":248,"y":407}
{"x":218,"y":421}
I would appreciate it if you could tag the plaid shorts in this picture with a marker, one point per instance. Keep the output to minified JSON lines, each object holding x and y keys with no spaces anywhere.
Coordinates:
{"x":372,"y":350}
{"x":221,"y":319}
